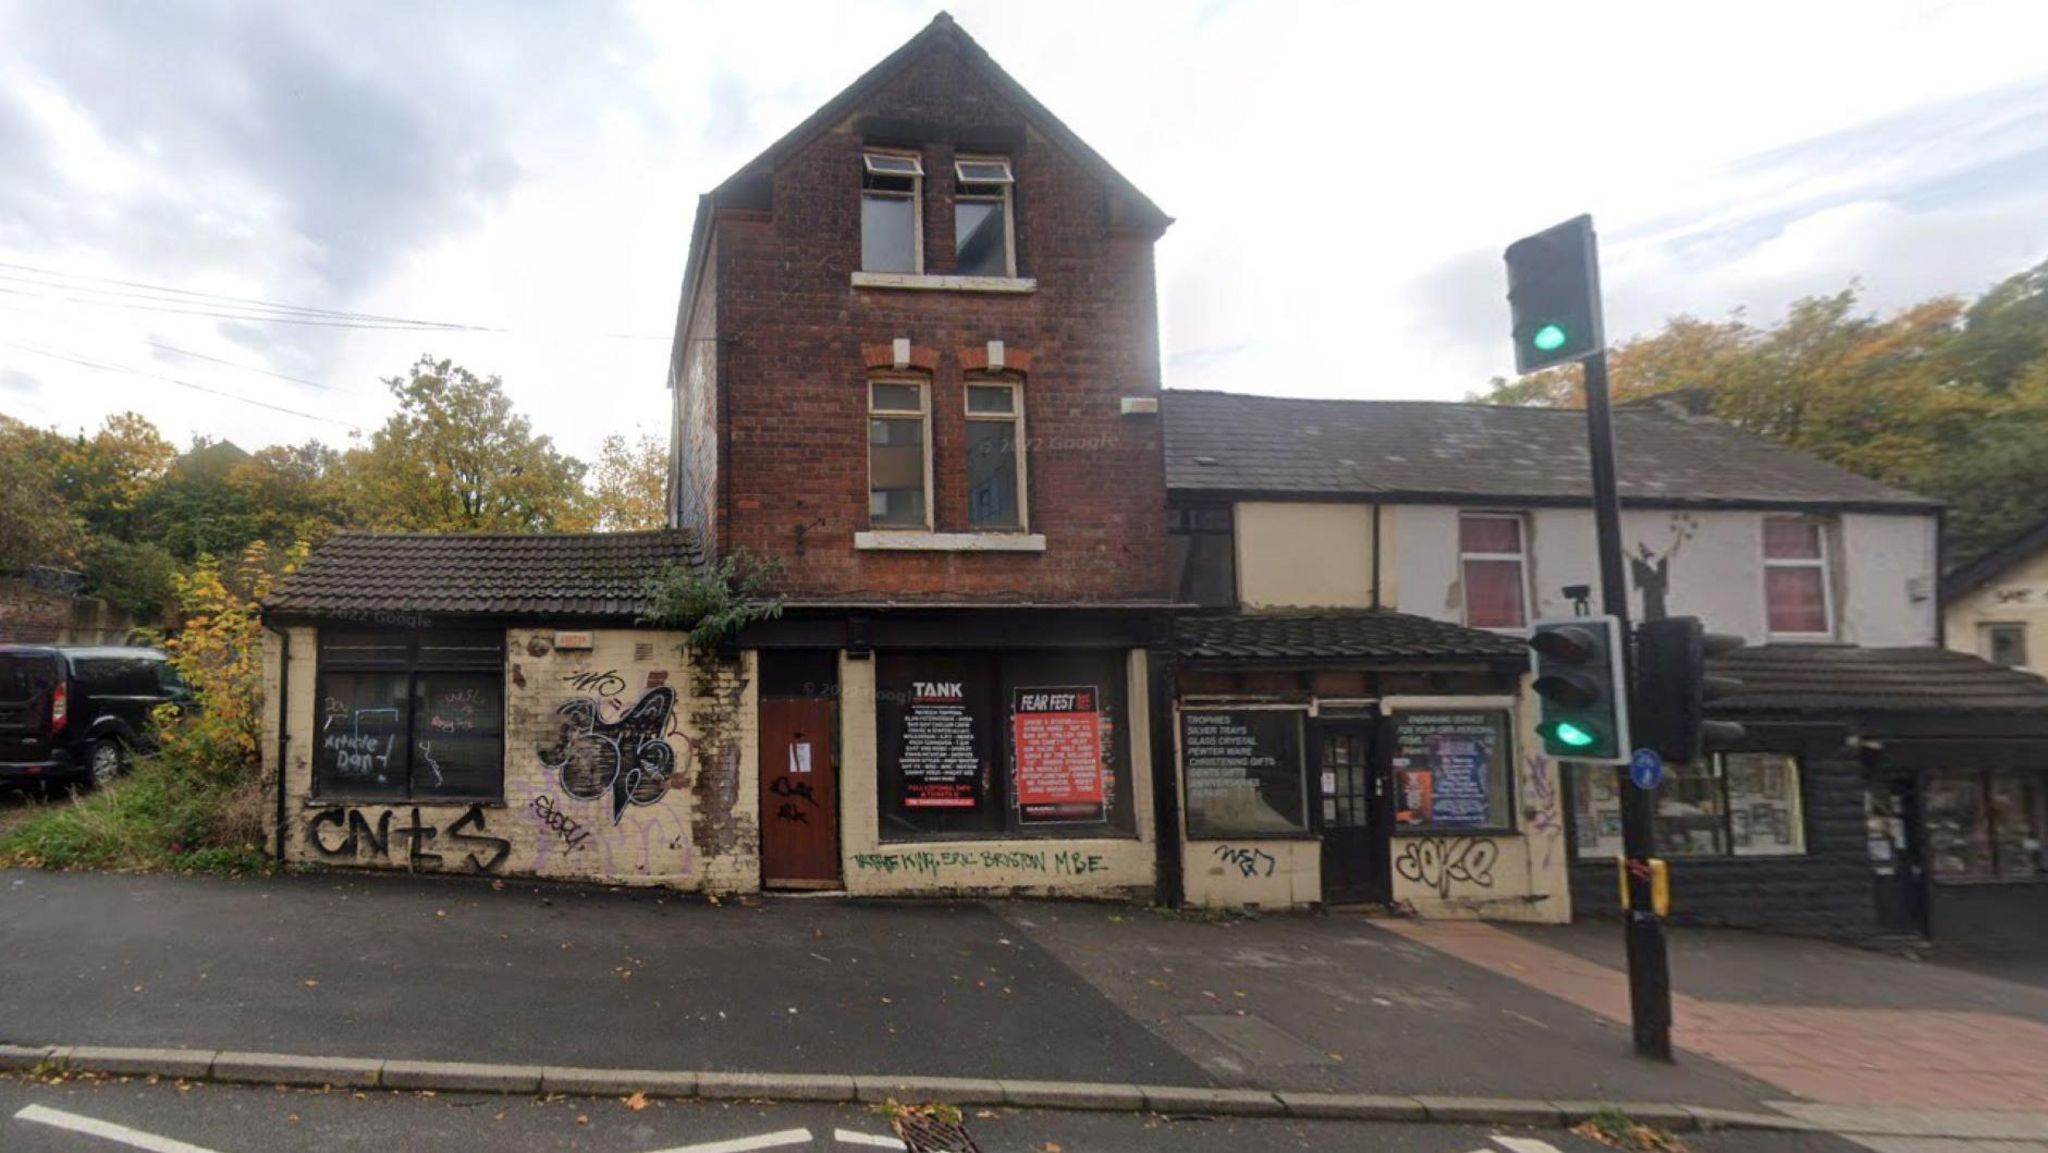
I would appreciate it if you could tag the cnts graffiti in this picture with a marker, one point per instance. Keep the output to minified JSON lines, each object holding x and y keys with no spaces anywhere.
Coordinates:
{"x":1249,"y":862}
{"x":628,"y":759}
{"x":566,"y":828}
{"x":339,"y":832}
{"x":1441,"y":862}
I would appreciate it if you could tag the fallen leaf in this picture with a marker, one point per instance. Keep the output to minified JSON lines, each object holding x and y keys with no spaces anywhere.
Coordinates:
{"x":637,"y":1102}
{"x":312,"y":984}
{"x":583,"y":1118}
{"x":1049,"y":1147}
{"x":292,"y":1117}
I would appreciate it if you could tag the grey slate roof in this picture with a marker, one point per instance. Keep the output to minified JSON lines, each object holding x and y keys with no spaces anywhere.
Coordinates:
{"x":1993,"y":564}
{"x":1337,"y":634}
{"x":1851,"y":679}
{"x":553,"y":574}
{"x":1221,"y":442}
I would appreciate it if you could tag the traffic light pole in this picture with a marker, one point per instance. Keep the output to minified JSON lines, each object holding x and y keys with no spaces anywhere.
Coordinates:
{"x":1649,"y":972}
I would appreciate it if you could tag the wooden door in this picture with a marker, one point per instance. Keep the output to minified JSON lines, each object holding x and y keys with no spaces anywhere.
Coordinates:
{"x":1349,"y":813}
{"x":799,"y":795}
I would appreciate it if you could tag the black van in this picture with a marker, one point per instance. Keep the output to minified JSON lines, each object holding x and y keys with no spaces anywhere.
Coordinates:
{"x":73,"y":715}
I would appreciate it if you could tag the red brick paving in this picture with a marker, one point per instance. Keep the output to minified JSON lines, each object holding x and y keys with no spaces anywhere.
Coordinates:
{"x":1900,"y":1057}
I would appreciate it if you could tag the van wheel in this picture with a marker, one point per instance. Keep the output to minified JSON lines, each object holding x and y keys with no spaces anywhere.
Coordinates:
{"x":106,"y":762}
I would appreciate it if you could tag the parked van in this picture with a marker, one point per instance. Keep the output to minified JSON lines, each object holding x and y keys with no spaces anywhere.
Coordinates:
{"x":75,"y":715}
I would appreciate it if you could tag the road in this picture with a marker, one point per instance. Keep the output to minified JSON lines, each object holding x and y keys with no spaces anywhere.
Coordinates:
{"x":44,"y":1117}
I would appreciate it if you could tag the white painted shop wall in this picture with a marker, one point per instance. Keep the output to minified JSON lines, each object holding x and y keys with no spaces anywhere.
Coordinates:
{"x":1294,"y":554}
{"x":1881,"y":567}
{"x":2018,"y":596}
{"x":1039,"y":866}
{"x":694,"y":827}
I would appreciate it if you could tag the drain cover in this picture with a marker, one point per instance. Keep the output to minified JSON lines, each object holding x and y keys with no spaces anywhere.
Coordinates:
{"x":925,"y":1134}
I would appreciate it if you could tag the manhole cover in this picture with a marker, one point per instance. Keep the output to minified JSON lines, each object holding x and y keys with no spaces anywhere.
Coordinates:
{"x":925,"y":1134}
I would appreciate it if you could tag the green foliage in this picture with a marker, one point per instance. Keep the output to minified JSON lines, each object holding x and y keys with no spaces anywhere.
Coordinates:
{"x":713,"y":603}
{"x":35,"y":526}
{"x":629,"y":484}
{"x":139,"y":579}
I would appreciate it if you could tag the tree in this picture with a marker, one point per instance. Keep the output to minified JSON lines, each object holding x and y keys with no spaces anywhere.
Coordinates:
{"x":195,"y":511}
{"x":296,"y":491}
{"x":628,"y":484}
{"x":455,"y":457}
{"x":35,"y":525}
{"x":104,"y":478}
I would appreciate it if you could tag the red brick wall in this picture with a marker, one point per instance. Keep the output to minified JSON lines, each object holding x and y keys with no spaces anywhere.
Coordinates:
{"x":796,"y":462}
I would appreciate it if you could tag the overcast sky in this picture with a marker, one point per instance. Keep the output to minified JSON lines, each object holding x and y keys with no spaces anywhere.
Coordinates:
{"x":1344,"y":178}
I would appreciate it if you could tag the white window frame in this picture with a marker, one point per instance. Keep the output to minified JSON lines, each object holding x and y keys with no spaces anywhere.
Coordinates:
{"x":915,"y":196}
{"x":1015,"y":418}
{"x":1521,"y":559}
{"x":1006,"y":200}
{"x":1824,"y":562}
{"x":924,"y":413}
{"x":1985,"y":648}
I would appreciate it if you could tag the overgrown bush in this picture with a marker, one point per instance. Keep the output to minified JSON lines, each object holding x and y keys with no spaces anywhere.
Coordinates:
{"x":197,"y":803}
{"x":711,"y":604}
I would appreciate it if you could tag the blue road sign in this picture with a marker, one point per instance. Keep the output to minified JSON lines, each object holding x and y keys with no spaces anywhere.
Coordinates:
{"x":1646,"y":769}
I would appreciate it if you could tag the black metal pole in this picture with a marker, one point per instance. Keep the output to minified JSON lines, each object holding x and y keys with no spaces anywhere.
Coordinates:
{"x":1649,"y":973}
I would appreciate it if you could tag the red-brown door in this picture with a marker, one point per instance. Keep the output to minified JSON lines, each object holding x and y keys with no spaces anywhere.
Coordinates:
{"x":799,"y":795}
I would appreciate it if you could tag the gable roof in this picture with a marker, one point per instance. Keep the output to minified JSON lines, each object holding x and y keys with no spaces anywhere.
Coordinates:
{"x":1847,"y":678}
{"x":547,"y":575}
{"x":1230,"y":443}
{"x":1336,"y":634}
{"x":1993,"y":564}
{"x":942,"y":30}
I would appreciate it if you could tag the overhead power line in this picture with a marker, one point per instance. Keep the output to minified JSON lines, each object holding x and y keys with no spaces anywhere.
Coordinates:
{"x":143,"y":291}
{"x":104,"y":366}
{"x":172,"y":348}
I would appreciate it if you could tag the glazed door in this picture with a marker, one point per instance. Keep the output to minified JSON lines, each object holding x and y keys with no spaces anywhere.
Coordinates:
{"x":1892,"y":821}
{"x":799,"y":795}
{"x":1350,"y":811}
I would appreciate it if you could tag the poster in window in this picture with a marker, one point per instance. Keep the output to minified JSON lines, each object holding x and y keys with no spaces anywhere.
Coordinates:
{"x":1056,"y":747}
{"x":939,"y":766}
{"x":1452,"y":769}
{"x":1415,"y":795}
{"x":1243,"y":772}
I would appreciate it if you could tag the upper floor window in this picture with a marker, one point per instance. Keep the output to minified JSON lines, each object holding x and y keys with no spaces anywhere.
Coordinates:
{"x":2004,"y":644}
{"x":1796,"y":596}
{"x":891,"y":212}
{"x":899,"y":454}
{"x":1492,"y":566}
{"x":984,"y":239}
{"x":995,"y":454}
{"x":1201,"y":548}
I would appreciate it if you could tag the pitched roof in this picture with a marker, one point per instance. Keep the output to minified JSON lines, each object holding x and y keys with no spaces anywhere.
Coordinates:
{"x":1993,"y":564}
{"x":1338,"y":634}
{"x":554,"y":574}
{"x":1847,"y":678}
{"x":1224,"y":442}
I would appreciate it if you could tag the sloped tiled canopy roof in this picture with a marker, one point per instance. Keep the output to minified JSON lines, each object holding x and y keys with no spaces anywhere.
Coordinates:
{"x":1338,"y":635}
{"x":1850,"y":679}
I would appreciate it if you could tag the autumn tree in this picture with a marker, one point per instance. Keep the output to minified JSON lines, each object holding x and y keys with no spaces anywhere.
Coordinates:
{"x":629,"y":482}
{"x":455,"y":457}
{"x":36,"y":527}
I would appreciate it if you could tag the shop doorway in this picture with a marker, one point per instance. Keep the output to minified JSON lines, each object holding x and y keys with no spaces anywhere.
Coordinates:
{"x":799,"y":770}
{"x":1350,"y":811}
{"x":1898,"y":879}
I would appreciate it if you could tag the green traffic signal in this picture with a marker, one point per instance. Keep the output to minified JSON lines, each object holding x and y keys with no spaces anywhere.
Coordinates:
{"x":1567,"y":733}
{"x":1549,"y":338}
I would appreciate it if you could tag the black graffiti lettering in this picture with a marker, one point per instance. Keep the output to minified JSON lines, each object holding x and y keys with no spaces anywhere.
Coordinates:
{"x":379,"y":839}
{"x":794,"y":789}
{"x":566,"y":828}
{"x":791,"y":811}
{"x":1250,"y":862}
{"x":629,"y":758}
{"x":500,"y":847}
{"x":417,"y":837}
{"x":339,"y":819}
{"x":605,"y":684}
{"x":1440,"y":862}
{"x":361,"y":838}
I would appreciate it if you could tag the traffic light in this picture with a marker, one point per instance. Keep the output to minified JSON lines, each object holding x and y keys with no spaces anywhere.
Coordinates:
{"x":1554,"y":295}
{"x":1578,"y":667}
{"x":1673,"y":688}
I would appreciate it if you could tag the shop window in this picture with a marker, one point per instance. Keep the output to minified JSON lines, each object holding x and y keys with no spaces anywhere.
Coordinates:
{"x":1452,"y":770}
{"x":984,"y":239}
{"x":899,"y":455}
{"x":1242,"y":772}
{"x":891,"y":204}
{"x":2004,"y":644}
{"x":1201,"y":548}
{"x":1733,"y":804}
{"x":1987,"y":826}
{"x":1796,"y":597}
{"x":1002,"y":745}
{"x":410,"y":716}
{"x":1493,"y":572}
{"x":995,"y":454}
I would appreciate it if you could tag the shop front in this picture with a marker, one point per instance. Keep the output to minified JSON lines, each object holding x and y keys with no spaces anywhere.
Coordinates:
{"x":1362,"y":757}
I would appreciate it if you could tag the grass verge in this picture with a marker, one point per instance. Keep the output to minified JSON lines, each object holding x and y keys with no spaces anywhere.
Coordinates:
{"x":159,"y":817}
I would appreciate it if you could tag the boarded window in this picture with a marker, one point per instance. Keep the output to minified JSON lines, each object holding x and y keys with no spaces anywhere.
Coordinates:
{"x":410,"y":716}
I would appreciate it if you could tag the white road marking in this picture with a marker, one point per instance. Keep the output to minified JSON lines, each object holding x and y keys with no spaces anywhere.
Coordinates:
{"x":93,"y":1127}
{"x":743,"y":1144}
{"x":1525,"y":1145}
{"x":849,"y":1137}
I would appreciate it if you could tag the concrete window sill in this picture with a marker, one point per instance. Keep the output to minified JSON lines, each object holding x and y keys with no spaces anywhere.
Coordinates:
{"x":948,"y":542}
{"x":1012,"y":285}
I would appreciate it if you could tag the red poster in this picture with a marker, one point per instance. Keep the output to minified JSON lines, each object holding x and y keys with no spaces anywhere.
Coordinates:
{"x":1056,"y":743}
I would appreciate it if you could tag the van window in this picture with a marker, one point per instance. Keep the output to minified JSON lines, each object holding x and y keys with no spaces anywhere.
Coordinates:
{"x":117,"y":676}
{"x":26,"y":676}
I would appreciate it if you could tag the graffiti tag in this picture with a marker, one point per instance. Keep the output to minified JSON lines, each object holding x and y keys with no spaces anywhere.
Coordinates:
{"x":605,"y":684}
{"x":628,"y":758}
{"x":566,"y":828}
{"x":930,"y":862}
{"x":339,"y":832}
{"x":1249,"y":862}
{"x":1441,"y":862}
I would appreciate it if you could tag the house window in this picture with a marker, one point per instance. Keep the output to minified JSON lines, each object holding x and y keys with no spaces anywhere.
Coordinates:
{"x":899,"y":455}
{"x":1452,"y":771}
{"x":1001,"y":745}
{"x":2004,"y":644}
{"x":1987,"y":825}
{"x":995,"y":454}
{"x":410,"y":716}
{"x":1729,"y":805}
{"x":891,"y":212}
{"x":1201,"y":548}
{"x":1242,"y":772}
{"x":984,"y":237}
{"x":1490,"y":557}
{"x":1796,"y":596}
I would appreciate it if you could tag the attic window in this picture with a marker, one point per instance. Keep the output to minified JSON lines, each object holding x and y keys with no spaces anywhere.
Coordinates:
{"x":891,"y":212}
{"x":983,"y":172}
{"x":984,"y":239}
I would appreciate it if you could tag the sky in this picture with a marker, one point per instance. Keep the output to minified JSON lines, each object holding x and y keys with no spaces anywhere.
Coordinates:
{"x":511,"y":184}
